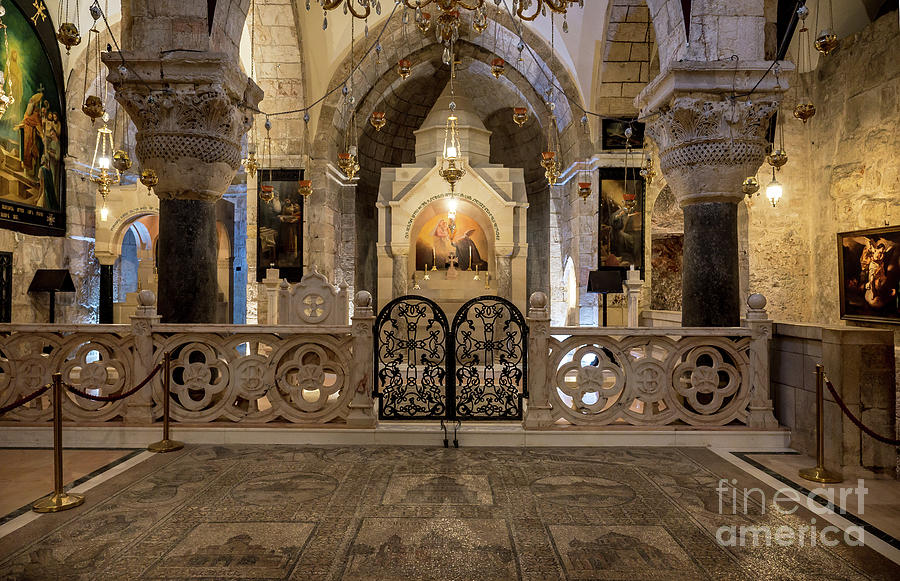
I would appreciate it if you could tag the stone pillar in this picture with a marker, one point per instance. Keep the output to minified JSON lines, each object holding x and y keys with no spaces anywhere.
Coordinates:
{"x":761,"y":410}
{"x":400,"y":284}
{"x":504,"y":277}
{"x":707,"y":146}
{"x":362,"y":379}
{"x":272,"y":283}
{"x":106,"y":294}
{"x":537,"y":415}
{"x":191,"y":110}
{"x":139,"y":407}
{"x":633,"y":285}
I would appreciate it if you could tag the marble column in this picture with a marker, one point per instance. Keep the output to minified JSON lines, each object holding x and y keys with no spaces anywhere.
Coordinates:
{"x":191,"y":110}
{"x":504,"y":277}
{"x":400,"y":279}
{"x":106,"y":294}
{"x":707,"y":147}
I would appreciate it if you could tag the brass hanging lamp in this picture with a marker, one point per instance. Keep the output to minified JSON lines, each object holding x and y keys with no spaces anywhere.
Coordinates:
{"x":804,"y":109}
{"x":68,"y":34}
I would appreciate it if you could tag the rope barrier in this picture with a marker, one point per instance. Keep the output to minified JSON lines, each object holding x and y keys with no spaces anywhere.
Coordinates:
{"x":856,"y":420}
{"x":110,"y":398}
{"x":23,"y":400}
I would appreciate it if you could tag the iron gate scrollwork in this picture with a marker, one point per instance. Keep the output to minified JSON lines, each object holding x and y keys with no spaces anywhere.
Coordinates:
{"x":490,"y":360}
{"x":475,"y":370}
{"x":411,"y":346}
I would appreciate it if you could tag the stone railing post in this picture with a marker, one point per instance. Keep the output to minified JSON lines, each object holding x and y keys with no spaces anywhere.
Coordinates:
{"x":362,"y":378}
{"x":138,"y":407}
{"x":761,"y":410}
{"x":272,"y":284}
{"x":633,"y":285}
{"x":538,"y":414}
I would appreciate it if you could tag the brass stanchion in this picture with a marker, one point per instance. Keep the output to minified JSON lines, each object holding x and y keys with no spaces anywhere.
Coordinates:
{"x":59,"y":500}
{"x":166,"y":445}
{"x":818,"y":473}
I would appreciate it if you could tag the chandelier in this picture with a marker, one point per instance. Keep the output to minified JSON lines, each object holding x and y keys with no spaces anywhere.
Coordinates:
{"x":524,"y":9}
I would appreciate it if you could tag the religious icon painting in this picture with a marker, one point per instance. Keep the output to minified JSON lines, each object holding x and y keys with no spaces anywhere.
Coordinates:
{"x":869,"y":274}
{"x":613,"y":134}
{"x":280,"y":221}
{"x":451,"y":238}
{"x":621,"y":219}
{"x":33,"y":125}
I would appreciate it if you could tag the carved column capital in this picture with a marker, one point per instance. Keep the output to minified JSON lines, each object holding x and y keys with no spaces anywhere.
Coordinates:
{"x":191,"y":111}
{"x":708,"y":145}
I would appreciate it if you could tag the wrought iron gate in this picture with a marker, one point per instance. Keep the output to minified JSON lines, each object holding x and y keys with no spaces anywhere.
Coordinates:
{"x":476,"y":370}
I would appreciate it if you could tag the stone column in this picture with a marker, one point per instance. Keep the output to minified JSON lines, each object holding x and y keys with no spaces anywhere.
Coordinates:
{"x":107,"y":261}
{"x":400,"y":285}
{"x":191,"y":110}
{"x":633,"y":285}
{"x":139,"y":407}
{"x":362,"y":379}
{"x":538,"y":415}
{"x":504,"y":277}
{"x":707,"y":146}
{"x":761,"y":410}
{"x":272,"y":283}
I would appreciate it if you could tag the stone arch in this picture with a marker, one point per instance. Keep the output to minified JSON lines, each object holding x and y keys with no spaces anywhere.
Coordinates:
{"x":525,"y":80}
{"x":531,"y":71}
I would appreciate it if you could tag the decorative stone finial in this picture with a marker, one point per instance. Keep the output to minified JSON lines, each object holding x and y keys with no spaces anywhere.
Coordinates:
{"x":757,"y":301}
{"x":363,"y":299}
{"x":538,"y":300}
{"x":146,"y":298}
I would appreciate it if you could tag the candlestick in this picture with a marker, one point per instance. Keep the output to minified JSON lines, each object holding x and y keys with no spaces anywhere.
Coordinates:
{"x":470,"y":258}
{"x":476,"y":273}
{"x":433,"y":261}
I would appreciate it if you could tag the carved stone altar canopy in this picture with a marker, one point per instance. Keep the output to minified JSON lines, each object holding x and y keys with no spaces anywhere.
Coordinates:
{"x":313,"y":301}
{"x":491,"y":195}
{"x":190,"y":122}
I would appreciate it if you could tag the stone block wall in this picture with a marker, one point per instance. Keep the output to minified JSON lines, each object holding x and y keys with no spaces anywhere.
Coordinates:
{"x":860,"y":364}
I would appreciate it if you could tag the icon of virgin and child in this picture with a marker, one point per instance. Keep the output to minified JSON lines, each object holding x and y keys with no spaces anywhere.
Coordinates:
{"x":445,"y":241}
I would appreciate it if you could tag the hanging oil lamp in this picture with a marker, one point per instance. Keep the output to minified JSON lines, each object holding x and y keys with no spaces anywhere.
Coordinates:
{"x":377,"y":120}
{"x":804,"y":109}
{"x":520,"y":115}
{"x":647,"y":172}
{"x":68,"y":34}
{"x":6,"y":99}
{"x":826,"y":40}
{"x":304,"y":186}
{"x":404,"y":68}
{"x":452,"y":151}
{"x":149,"y":179}
{"x":479,"y":20}
{"x":498,"y":67}
{"x":93,"y":106}
{"x":750,"y":186}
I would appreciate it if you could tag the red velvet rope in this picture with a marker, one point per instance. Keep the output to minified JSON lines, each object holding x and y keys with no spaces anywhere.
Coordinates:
{"x":109,"y":398}
{"x":24,"y":400}
{"x":855,"y":420}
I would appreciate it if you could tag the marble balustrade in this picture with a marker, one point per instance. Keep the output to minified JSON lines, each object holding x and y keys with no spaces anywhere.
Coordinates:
{"x":319,"y":374}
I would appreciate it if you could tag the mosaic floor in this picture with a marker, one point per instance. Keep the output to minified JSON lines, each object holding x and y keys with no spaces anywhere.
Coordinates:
{"x":255,"y":512}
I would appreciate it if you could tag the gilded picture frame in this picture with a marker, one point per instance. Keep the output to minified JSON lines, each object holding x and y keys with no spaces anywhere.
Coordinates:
{"x":869,"y":275}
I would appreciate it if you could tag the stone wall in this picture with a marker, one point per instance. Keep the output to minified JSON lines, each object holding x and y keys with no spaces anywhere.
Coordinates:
{"x":842,"y":175}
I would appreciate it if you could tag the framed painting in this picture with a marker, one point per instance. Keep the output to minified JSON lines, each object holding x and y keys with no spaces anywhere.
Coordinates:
{"x":621,"y":219}
{"x":613,"y":134}
{"x":280,"y":216}
{"x":33,"y":139}
{"x":869,"y":274}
